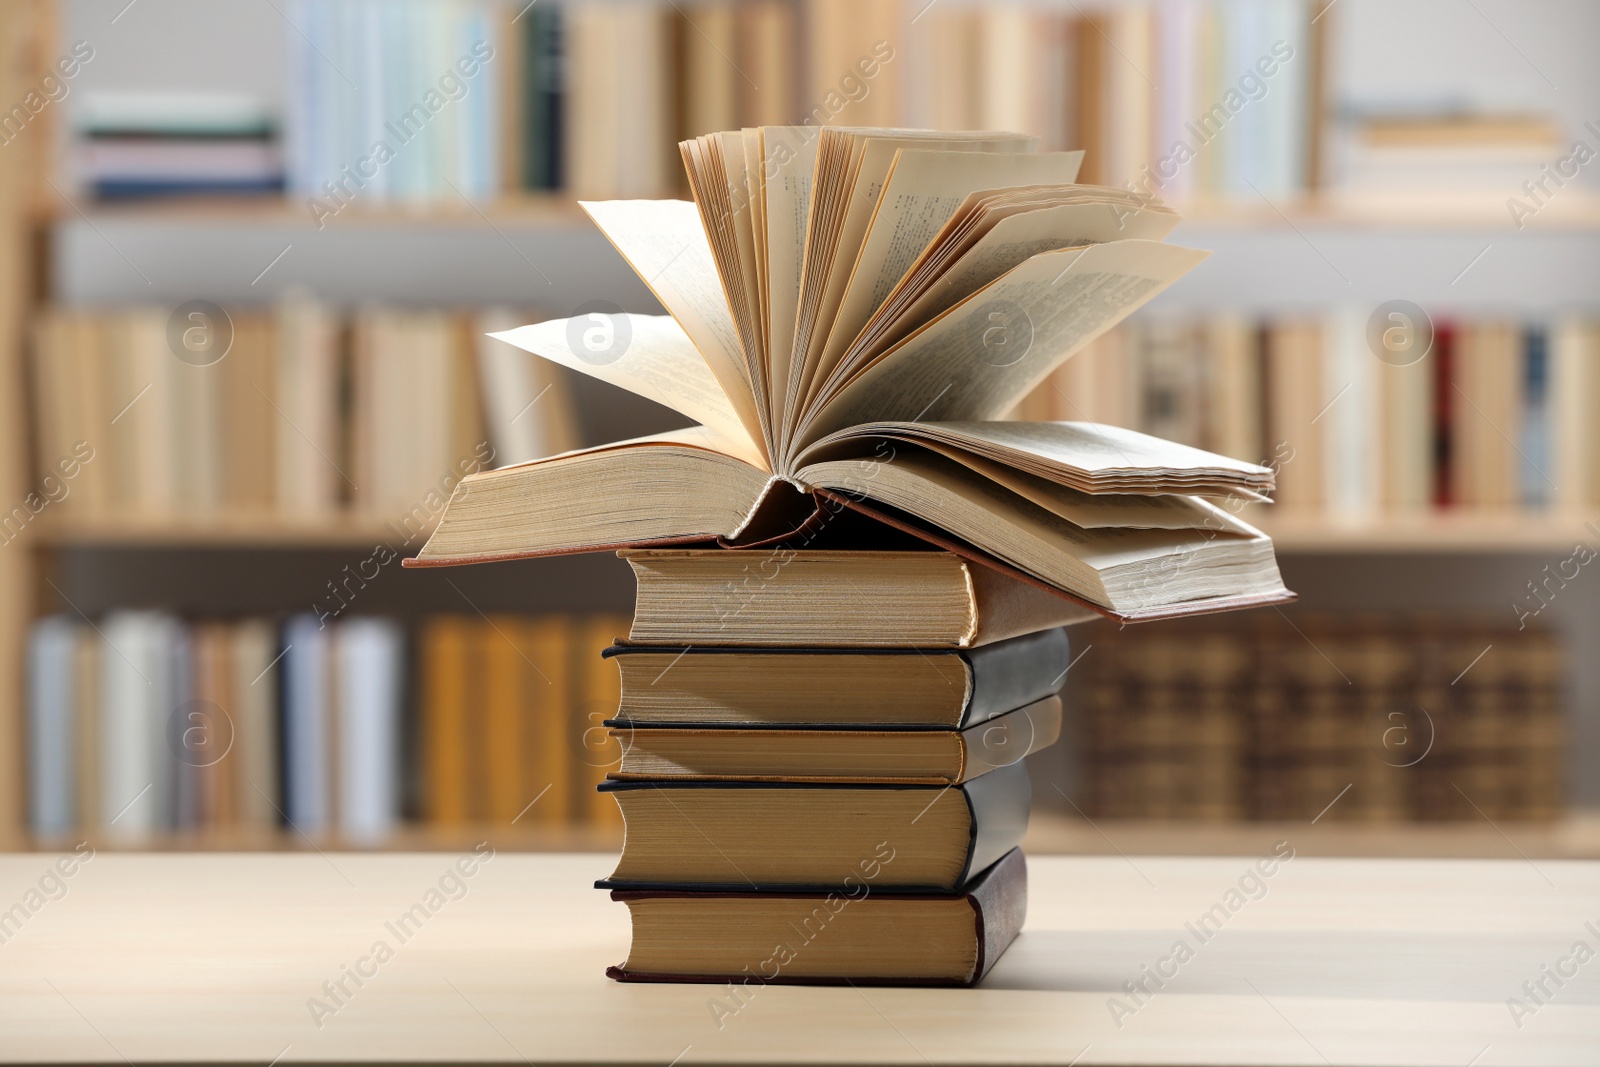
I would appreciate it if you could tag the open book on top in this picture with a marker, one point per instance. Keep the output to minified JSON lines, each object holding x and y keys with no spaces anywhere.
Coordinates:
{"x":852,"y":313}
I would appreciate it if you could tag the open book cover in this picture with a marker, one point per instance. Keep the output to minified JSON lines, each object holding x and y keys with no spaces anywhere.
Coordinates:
{"x":852,"y":312}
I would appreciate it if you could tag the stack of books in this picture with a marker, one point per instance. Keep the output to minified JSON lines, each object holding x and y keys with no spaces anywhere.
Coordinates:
{"x":853,"y":312}
{"x":810,"y":791}
{"x":142,"y":145}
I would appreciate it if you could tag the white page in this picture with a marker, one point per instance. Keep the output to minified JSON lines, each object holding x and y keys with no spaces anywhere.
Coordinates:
{"x":756,"y":200}
{"x":790,"y":154}
{"x":371,"y":670}
{"x":1019,"y":237}
{"x":1086,"y":455}
{"x":873,"y":155}
{"x":659,"y":362}
{"x":665,"y":243}
{"x":730,"y":147}
{"x":976,"y":361}
{"x":1166,"y":511}
{"x":922,"y":192}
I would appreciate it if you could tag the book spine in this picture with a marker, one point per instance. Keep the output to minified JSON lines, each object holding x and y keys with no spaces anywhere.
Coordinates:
{"x":1009,"y":674}
{"x":307,"y":731}
{"x":999,"y":899}
{"x":502,"y":722}
{"x":52,"y":727}
{"x":1535,"y":451}
{"x":998,"y":803}
{"x":369,"y":675}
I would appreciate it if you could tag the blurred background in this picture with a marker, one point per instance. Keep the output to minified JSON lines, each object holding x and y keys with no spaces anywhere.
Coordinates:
{"x":248,"y":252}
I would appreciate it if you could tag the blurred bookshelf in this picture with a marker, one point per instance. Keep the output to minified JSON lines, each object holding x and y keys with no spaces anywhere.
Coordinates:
{"x":1579,"y":212}
{"x":1320,"y":204}
{"x":242,"y":531}
{"x":1049,"y":833}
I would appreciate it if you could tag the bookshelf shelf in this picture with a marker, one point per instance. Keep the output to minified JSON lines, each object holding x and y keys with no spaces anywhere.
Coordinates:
{"x":218,"y":531}
{"x":525,"y":837}
{"x":1437,"y":532}
{"x":520,"y":210}
{"x":1575,"y":836}
{"x":1577,"y":212}
{"x":1383,"y":213}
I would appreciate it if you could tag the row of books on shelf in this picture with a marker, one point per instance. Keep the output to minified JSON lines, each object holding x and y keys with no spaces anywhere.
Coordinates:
{"x":1179,"y":100}
{"x":309,"y":415}
{"x":1496,"y":415}
{"x":144,"y":724}
{"x":1350,"y":718}
{"x":451,"y":99}
{"x":293,"y":412}
{"x":149,"y":144}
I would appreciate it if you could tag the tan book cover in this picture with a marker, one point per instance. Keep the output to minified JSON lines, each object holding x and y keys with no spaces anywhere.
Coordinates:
{"x":501,"y":723}
{"x":1487,"y":414}
{"x":766,"y":31}
{"x":550,"y":755}
{"x":1295,"y":398}
{"x":250,"y":425}
{"x":446,"y":673}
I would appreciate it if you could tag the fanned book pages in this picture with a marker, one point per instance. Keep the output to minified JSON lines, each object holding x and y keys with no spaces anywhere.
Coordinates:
{"x":852,"y":314}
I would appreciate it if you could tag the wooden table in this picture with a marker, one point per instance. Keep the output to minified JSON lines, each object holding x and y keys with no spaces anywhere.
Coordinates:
{"x":218,"y":958}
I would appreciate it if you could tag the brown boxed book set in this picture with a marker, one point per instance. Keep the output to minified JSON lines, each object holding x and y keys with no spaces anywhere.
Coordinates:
{"x":853,"y":574}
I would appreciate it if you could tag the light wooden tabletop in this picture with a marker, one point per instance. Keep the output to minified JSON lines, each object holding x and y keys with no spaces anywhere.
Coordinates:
{"x":223,"y":958}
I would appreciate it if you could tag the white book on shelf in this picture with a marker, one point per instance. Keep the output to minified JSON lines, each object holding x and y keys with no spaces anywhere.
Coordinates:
{"x":1288,"y":96}
{"x":371,"y":665}
{"x":307,"y":726}
{"x":479,"y":140}
{"x":344,"y":95}
{"x":137,"y":779}
{"x":1351,"y":417}
{"x":185,"y":730}
{"x":298,"y":164}
{"x":373,"y":66}
{"x":52,"y":726}
{"x":1178,"y":44}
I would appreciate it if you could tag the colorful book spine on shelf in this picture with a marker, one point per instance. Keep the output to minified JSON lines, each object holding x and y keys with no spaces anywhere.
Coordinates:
{"x":1179,"y":100}
{"x":393,"y":102}
{"x":437,"y":100}
{"x":1495,"y":417}
{"x":144,"y":725}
